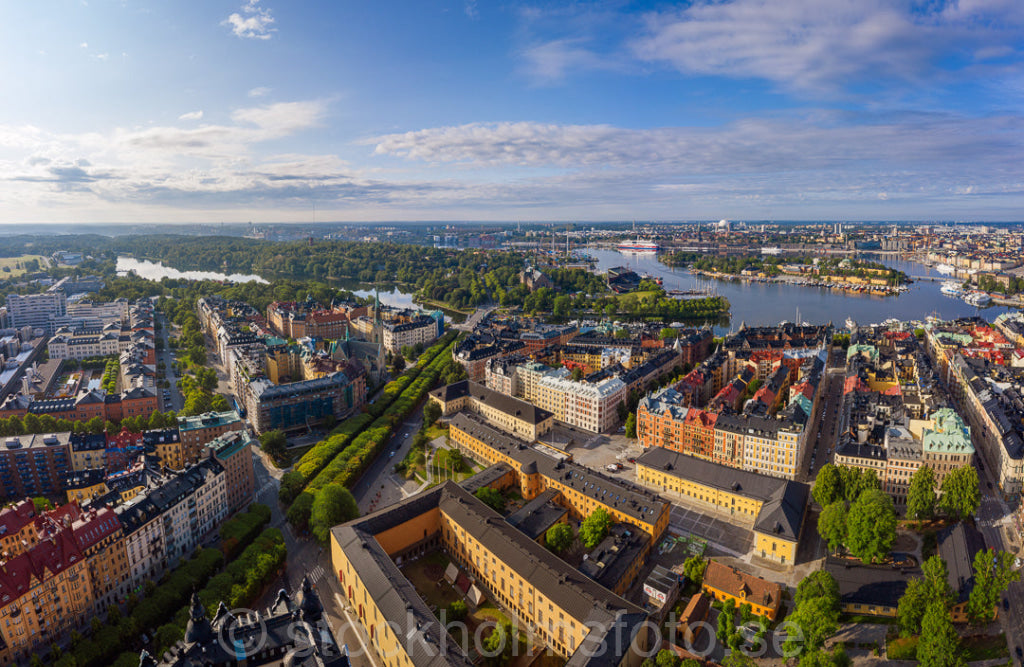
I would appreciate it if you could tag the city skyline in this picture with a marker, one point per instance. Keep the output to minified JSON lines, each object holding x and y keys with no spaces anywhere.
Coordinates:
{"x":265,"y":111}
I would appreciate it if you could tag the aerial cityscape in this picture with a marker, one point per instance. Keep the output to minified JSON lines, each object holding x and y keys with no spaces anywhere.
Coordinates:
{"x":548,"y":334}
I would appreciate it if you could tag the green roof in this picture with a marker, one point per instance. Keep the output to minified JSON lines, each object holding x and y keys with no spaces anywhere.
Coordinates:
{"x":949,"y":435}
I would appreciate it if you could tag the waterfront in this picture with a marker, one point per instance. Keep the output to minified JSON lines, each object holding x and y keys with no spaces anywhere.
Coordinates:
{"x":157,"y":271}
{"x":763,"y":304}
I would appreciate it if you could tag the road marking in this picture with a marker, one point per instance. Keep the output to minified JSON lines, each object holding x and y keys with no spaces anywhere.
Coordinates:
{"x":355,"y":628}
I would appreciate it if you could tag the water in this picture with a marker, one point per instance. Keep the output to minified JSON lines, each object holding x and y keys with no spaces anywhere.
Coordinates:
{"x":395,"y":298}
{"x":157,"y":271}
{"x":767,"y":304}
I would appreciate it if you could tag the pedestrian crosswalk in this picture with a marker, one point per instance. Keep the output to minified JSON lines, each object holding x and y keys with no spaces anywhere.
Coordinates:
{"x":317,"y":573}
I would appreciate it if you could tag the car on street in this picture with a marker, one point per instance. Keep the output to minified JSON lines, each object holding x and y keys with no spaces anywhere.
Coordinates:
{"x":612,"y":467}
{"x":1020,"y":653}
{"x":989,"y":484}
{"x":1006,"y":604}
{"x":392,"y":454}
{"x":632,"y":459}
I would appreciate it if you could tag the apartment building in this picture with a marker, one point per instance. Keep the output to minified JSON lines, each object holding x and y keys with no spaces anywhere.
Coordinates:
{"x":34,"y":465}
{"x":420,"y":331}
{"x":196,"y":432}
{"x":44,"y":311}
{"x":234,"y":450}
{"x":592,"y":407}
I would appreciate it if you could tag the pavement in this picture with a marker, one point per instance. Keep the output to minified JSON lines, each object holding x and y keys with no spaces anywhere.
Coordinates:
{"x":176,"y":401}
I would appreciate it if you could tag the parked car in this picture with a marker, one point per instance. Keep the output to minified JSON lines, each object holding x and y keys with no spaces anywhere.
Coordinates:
{"x":632,"y":459}
{"x":612,"y":467}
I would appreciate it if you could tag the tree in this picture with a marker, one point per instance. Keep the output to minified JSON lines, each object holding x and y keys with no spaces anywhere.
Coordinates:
{"x":828,"y":485}
{"x":960,"y":493}
{"x":631,"y":425}
{"x":939,"y":644}
{"x":693,"y":569}
{"x":559,"y":537}
{"x":832,"y":524}
{"x":666,"y":333}
{"x":431,"y":412}
{"x":819,"y":584}
{"x":921,"y":498}
{"x":993,"y":573}
{"x":871,"y":526}
{"x":491,"y":498}
{"x":274,"y":444}
{"x":398,"y":364}
{"x":457,"y":611}
{"x":818,"y":619}
{"x":821,"y":658}
{"x":595,"y":527}
{"x":332,"y":505}
{"x":667,"y":658}
{"x":933,"y":586}
{"x":577,"y":374}
{"x":95,"y":425}
{"x":499,"y":644}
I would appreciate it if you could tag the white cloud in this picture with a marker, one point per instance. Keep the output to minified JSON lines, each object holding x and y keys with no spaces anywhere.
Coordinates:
{"x":471,"y":9}
{"x":825,"y":44}
{"x":102,"y":56}
{"x":191,"y":115}
{"x":84,"y":45}
{"x":254,"y":22}
{"x":551,"y":61}
{"x":259,"y":91}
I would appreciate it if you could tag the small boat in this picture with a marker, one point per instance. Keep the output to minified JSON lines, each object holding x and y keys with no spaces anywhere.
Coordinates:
{"x":977,"y":298}
{"x":951,"y":288}
{"x":851,"y":323}
{"x":946,"y":269}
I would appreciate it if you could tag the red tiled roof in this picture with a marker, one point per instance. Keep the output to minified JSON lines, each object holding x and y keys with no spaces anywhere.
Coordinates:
{"x":46,"y":559}
{"x":742,"y":585}
{"x":16,"y":517}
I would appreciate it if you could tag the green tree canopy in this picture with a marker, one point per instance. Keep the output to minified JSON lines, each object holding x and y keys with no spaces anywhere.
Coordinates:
{"x":274,"y":443}
{"x":333,"y":504}
{"x":939,"y":645}
{"x":921,"y":499}
{"x":960,"y":493}
{"x":595,"y":527}
{"x":871,"y":526}
{"x":559,"y":537}
{"x":993,"y":573}
{"x":828,"y":485}
{"x":832,"y":524}
{"x":631,"y":425}
{"x":491,"y":498}
{"x":667,"y":658}
{"x":932,"y":586}
{"x":431,"y":412}
{"x":818,"y":584}
{"x":693,"y":569}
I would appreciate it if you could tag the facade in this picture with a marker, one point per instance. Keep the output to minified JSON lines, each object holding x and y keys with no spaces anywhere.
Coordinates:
{"x":512,"y":415}
{"x":727,"y":583}
{"x":34,"y":465}
{"x":299,"y":404}
{"x":575,"y":617}
{"x":420,"y":331}
{"x":773,"y":508}
{"x":592,"y":407}
{"x":234,"y":451}
{"x":195,"y":433}
{"x":579,"y":489}
{"x":44,"y":311}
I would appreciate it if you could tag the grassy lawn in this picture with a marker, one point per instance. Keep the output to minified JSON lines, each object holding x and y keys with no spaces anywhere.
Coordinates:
{"x":12,"y":267}
{"x":639,"y":295}
{"x":436,"y":431}
{"x":985,"y":647}
{"x":877,"y":620}
{"x":904,"y":648}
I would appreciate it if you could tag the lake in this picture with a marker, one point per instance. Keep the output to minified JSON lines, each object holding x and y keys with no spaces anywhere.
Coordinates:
{"x":157,"y":271}
{"x":767,"y":304}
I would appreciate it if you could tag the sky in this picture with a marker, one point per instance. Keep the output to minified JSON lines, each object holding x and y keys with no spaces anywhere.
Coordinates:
{"x":345,"y":110}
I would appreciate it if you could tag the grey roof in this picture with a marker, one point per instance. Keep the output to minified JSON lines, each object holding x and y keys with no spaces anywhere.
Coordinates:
{"x":528,"y":412}
{"x":628,"y":498}
{"x":536,"y":516}
{"x":878,"y":585}
{"x":784,"y":501}
{"x":958,"y":545}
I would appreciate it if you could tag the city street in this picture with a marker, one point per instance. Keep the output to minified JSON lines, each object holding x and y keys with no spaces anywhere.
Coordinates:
{"x":824,"y":427}
{"x":165,"y":356}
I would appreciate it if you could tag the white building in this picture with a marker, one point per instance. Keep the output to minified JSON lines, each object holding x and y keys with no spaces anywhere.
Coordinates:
{"x":592,"y":407}
{"x":40,"y":311}
{"x":421,"y":330}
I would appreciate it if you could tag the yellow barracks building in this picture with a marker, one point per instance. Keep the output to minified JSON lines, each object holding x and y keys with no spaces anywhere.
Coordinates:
{"x":774,"y":508}
{"x":581,"y":490}
{"x":577,"y":618}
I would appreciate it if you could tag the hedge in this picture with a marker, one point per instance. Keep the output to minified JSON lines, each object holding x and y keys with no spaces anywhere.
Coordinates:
{"x":239,"y":585}
{"x":239,"y":531}
{"x":326,"y":452}
{"x":171,"y":594}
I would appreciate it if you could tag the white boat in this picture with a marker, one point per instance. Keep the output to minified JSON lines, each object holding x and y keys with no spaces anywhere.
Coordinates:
{"x":851,"y":323}
{"x":951,"y":288}
{"x":946,"y":269}
{"x":978,"y":298}
{"x":639,"y":246}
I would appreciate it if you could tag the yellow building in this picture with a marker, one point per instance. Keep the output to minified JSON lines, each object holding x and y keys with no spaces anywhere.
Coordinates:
{"x":773,"y":508}
{"x":511,"y":415}
{"x":580,"y":489}
{"x":727,"y":583}
{"x":571,"y":613}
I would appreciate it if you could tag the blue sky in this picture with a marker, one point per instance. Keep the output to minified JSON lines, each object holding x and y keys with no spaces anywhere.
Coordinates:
{"x":274,"y":111}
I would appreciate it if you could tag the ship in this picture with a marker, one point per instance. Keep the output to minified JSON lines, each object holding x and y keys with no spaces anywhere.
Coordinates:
{"x":946,"y":269}
{"x":639,"y":246}
{"x":951,"y":288}
{"x":979,"y":299}
{"x":851,"y":323}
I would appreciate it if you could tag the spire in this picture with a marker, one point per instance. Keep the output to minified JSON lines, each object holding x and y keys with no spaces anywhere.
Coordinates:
{"x":198,"y":630}
{"x":309,"y":602}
